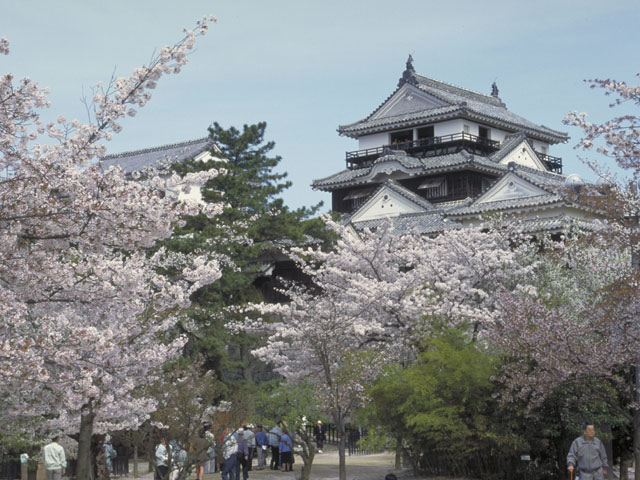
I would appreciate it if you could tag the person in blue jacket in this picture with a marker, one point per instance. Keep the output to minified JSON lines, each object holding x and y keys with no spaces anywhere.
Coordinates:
{"x":286,"y":451}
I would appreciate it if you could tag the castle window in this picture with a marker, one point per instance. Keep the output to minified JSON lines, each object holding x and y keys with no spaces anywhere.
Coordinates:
{"x":434,"y":187}
{"x":484,"y":132}
{"x":426,"y":132}
{"x":401,"y":137}
{"x":356,"y":198}
{"x":465,"y":128}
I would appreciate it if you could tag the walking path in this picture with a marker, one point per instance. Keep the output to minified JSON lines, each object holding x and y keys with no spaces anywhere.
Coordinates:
{"x":325,"y":467}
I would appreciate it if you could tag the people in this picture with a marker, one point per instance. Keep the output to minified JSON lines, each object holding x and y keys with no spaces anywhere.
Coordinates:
{"x":162,"y":460}
{"x":250,"y":437}
{"x":229,"y":461}
{"x":200,"y":449}
{"x":211,"y":465}
{"x":286,"y":451}
{"x":274,"y":442}
{"x":262,"y":444}
{"x":110,"y":454}
{"x":55,"y":462}
{"x":243,"y":454}
{"x":588,"y":454}
{"x":320,"y":434}
{"x":175,"y":450}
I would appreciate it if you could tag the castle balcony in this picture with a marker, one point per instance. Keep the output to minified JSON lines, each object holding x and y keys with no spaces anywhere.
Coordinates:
{"x":553,"y":164}
{"x":436,"y":146}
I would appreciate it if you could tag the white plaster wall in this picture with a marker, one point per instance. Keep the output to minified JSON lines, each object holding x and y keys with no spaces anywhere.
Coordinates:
{"x":441,"y":129}
{"x":373,"y":141}
{"x":386,"y":204}
{"x":541,"y":147}
{"x":498,"y":135}
{"x":448,"y":128}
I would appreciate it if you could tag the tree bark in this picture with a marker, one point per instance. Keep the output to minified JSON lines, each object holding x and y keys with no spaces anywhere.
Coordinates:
{"x":307,"y":453}
{"x":135,"y":461}
{"x":342,"y":442}
{"x":398,"y":454}
{"x":84,"y":470}
{"x":625,"y":465}
{"x":636,"y":435}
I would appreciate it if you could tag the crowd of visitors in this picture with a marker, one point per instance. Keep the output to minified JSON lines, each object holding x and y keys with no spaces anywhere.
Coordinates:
{"x":232,"y":452}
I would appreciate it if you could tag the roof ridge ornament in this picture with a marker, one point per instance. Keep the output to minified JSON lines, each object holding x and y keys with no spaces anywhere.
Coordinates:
{"x":494,"y":90}
{"x":408,"y":76}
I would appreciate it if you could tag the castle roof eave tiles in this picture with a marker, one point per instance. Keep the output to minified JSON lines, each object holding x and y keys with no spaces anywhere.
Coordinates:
{"x":421,"y":166}
{"x":152,"y":157}
{"x":462,"y":103}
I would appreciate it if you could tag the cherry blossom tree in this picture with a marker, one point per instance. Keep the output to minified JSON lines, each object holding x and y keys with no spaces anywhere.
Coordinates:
{"x":86,"y":311}
{"x":373,"y":298}
{"x":580,"y":325}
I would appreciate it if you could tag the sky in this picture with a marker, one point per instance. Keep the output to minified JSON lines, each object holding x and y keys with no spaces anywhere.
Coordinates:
{"x":306,"y":67}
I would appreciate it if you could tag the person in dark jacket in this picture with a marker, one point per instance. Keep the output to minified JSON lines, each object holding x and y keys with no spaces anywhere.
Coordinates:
{"x":243,"y":454}
{"x":320,"y":434}
{"x":262,"y":445}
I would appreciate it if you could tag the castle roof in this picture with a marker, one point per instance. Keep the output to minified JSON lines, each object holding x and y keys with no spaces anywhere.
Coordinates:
{"x":427,"y":100}
{"x":137,"y":160}
{"x":412,"y":166}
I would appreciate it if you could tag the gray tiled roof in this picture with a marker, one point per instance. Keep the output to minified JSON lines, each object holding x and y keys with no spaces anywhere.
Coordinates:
{"x":418,"y":166}
{"x":512,"y":203}
{"x":152,"y":157}
{"x":557,"y":223}
{"x":541,"y":178}
{"x":405,"y":192}
{"x":462,"y":103}
{"x":507,"y":146}
{"x":418,"y":222}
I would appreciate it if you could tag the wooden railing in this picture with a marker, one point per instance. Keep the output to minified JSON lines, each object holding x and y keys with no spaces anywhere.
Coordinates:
{"x":432,"y":146}
{"x":554,"y":164}
{"x":359,"y":158}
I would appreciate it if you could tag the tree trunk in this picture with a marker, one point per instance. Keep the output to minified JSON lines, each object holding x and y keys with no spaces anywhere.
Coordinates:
{"x":636,"y":435}
{"x":307,"y":453}
{"x":84,"y":470}
{"x":398,"y":454}
{"x":342,"y":442}
{"x":625,"y":465}
{"x":135,"y":461}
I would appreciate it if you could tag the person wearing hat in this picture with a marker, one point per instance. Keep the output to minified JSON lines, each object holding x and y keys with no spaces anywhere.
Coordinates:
{"x":320,"y":434}
{"x":243,"y":454}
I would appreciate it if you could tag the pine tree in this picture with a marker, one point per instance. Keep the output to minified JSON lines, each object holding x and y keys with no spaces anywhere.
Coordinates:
{"x":261,"y":225}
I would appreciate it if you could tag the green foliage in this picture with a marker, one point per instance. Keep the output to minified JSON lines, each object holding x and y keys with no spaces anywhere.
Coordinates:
{"x":292,"y":404}
{"x":249,"y":235}
{"x":443,"y":409}
{"x":450,"y":390}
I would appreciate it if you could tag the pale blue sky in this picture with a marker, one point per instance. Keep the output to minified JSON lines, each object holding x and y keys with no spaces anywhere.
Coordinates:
{"x":306,"y":67}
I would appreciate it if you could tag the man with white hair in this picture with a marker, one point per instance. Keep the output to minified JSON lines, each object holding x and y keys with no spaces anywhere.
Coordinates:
{"x":55,"y":461}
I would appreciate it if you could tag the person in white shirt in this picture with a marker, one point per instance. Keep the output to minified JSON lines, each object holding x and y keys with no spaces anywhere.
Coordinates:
{"x":55,"y":462}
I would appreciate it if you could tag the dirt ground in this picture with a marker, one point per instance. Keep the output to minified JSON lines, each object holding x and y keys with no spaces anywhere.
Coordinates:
{"x":325,"y":467}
